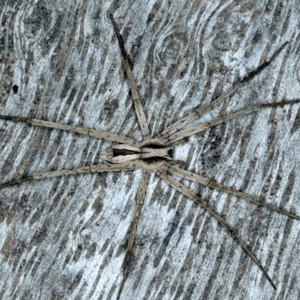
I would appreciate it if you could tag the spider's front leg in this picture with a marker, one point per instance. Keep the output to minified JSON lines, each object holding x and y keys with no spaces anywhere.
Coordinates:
{"x":177,"y":136}
{"x":172,"y":129}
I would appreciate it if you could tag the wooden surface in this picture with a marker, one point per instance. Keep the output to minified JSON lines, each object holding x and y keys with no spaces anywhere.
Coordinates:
{"x":65,"y":238}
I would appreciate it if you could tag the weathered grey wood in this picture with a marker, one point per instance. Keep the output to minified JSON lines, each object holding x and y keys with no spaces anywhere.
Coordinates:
{"x":65,"y":238}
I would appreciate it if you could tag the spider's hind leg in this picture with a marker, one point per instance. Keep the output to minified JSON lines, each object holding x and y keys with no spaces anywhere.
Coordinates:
{"x":83,"y":170}
{"x":99,"y":134}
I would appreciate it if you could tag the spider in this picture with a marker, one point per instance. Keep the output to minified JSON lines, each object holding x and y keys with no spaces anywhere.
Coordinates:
{"x":155,"y":155}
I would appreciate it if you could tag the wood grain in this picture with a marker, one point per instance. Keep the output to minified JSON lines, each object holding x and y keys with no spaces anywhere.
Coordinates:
{"x":65,"y":238}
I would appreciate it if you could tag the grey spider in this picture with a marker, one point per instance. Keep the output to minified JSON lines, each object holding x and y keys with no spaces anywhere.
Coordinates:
{"x":155,"y":155}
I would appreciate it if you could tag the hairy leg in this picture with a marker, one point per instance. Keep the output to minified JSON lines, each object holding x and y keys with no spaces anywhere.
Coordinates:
{"x":178,"y":186}
{"x":205,"y":181}
{"x":83,"y":170}
{"x":81,"y":130}
{"x":204,"y":126}
{"x":136,"y":99}
{"x":188,"y":119}
{"x":140,"y":201}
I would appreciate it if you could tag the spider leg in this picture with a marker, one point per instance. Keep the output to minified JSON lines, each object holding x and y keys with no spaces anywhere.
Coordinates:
{"x":205,"y":181}
{"x":178,"y":186}
{"x":83,"y":170}
{"x":135,"y":95}
{"x":204,"y":126}
{"x":188,"y":119}
{"x":81,"y":130}
{"x":140,"y":201}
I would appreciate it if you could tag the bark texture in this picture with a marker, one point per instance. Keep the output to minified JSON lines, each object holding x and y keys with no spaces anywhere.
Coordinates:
{"x":65,"y":238}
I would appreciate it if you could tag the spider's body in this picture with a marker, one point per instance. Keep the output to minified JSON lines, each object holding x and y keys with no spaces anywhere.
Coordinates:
{"x":150,"y":154}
